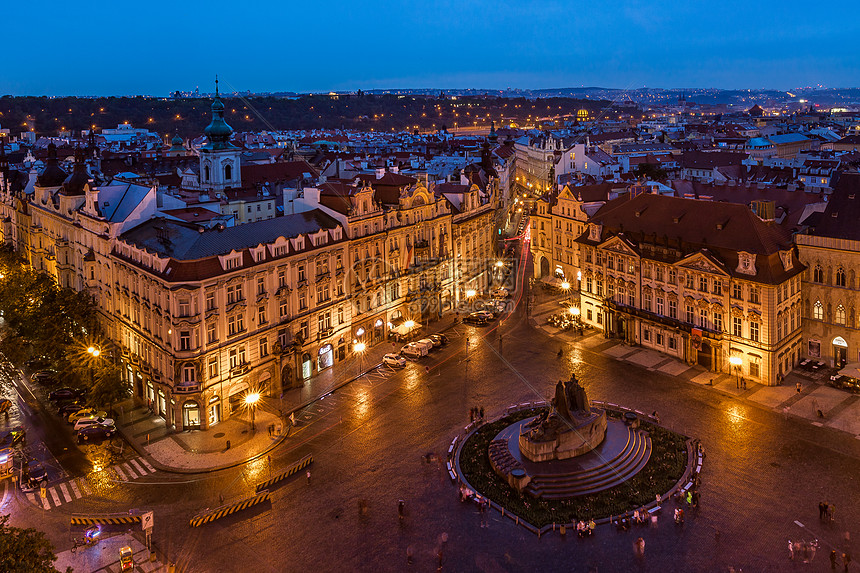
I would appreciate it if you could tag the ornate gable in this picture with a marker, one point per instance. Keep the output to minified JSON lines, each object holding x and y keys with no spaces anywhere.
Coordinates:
{"x":619,"y":245}
{"x":704,"y":263}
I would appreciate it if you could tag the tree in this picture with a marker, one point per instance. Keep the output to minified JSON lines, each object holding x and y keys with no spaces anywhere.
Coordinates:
{"x":650,"y":171}
{"x":25,"y":550}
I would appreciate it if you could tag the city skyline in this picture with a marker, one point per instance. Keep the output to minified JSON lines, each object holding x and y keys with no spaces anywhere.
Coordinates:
{"x":447,"y":45}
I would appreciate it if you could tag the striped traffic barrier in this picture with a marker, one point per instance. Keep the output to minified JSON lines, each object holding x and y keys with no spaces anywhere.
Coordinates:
{"x":301,"y":464}
{"x":105,"y":520}
{"x":226,"y":510}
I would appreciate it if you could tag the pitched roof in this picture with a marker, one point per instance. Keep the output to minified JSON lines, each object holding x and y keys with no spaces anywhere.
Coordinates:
{"x":842,"y":214}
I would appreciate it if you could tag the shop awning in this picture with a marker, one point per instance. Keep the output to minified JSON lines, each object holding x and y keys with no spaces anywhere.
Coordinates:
{"x":851,"y":370}
{"x":406,"y":327}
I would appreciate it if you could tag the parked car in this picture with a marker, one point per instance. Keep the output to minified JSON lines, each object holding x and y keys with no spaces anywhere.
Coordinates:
{"x":5,"y":404}
{"x":46,"y":377}
{"x":86,"y":413}
{"x":37,"y":476}
{"x":425,"y":343}
{"x":66,"y":394}
{"x":84,"y":422}
{"x":413,"y":351}
{"x":12,"y":437}
{"x":441,"y":339}
{"x":65,"y":409}
{"x":479,"y":318}
{"x":500,"y":292}
{"x":393,"y":360}
{"x":37,"y":362}
{"x":96,"y":432}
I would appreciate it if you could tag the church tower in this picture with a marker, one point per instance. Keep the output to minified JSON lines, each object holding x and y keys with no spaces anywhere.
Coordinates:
{"x":219,"y":159}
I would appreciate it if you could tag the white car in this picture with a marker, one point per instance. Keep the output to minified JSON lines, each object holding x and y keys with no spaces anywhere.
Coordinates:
{"x":393,"y":360}
{"x":413,"y":351}
{"x":84,"y":422}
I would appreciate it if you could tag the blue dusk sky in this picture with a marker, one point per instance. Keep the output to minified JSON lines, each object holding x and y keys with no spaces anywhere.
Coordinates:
{"x":155,"y":47}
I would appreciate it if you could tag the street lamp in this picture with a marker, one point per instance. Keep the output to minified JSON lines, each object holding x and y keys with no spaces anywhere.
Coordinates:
{"x":565,"y":286}
{"x":499,"y":264}
{"x":735,"y":361}
{"x":471,"y":293}
{"x":359,"y":348}
{"x":94,"y":351}
{"x":251,"y":400}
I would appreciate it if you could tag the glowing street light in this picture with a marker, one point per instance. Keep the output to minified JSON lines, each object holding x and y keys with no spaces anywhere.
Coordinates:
{"x":499,"y":264}
{"x":565,"y":285}
{"x":251,"y":400}
{"x":471,"y":293}
{"x":736,"y":362}
{"x":94,"y":351}
{"x":359,"y":347}
{"x":573,"y":311}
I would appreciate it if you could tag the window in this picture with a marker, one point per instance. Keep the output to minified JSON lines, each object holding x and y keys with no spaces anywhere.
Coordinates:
{"x":631,"y":297}
{"x":189,"y":374}
{"x":703,"y":284}
{"x":303,"y":330}
{"x":673,"y":343}
{"x":673,"y":276}
{"x":737,"y":326}
{"x":303,"y":303}
{"x":283,"y":309}
{"x":718,"y":321}
{"x":213,"y":367}
{"x":184,"y":306}
{"x":324,"y":322}
{"x":264,"y":347}
{"x":840,"y":277}
{"x":322,"y":293}
{"x":235,"y":324}
{"x":737,"y":291}
{"x":718,"y":287}
{"x":588,"y":284}
{"x":588,"y":314}
{"x":658,"y":338}
{"x":301,"y":272}
{"x":340,"y":315}
{"x":185,"y":340}
{"x":599,"y":287}
{"x":210,"y":300}
{"x":688,"y":314}
{"x":261,"y":314}
{"x":658,"y":273}
{"x":754,"y":369}
{"x":818,"y":310}
{"x":673,"y":309}
{"x":660,"y":305}
{"x":587,"y":255}
{"x":211,"y":332}
{"x":754,"y":295}
{"x":703,"y":318}
{"x":754,"y":330}
{"x":818,"y":274}
{"x":282,"y":279}
{"x":689,"y":277}
{"x":234,"y":293}
{"x":646,"y":335}
{"x":610,"y":262}
{"x":840,"y":314}
{"x":261,"y":285}
{"x":237,"y":357}
{"x":646,"y":301}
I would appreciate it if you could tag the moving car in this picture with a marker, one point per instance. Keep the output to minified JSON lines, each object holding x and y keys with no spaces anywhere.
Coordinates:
{"x":393,"y":360}
{"x":12,"y":437}
{"x":500,"y":292}
{"x":86,"y":413}
{"x":84,"y":422}
{"x":37,"y":476}
{"x":65,"y":394}
{"x":479,"y":318}
{"x":5,"y":404}
{"x":96,"y":432}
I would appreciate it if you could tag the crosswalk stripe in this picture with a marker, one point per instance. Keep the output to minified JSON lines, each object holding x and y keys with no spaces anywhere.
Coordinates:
{"x":45,"y":503}
{"x":137,"y":466}
{"x":85,"y":487}
{"x":146,"y":463}
{"x":120,"y":473}
{"x":65,"y":492}
{"x":32,"y":498}
{"x":54,"y":496}
{"x":130,"y":471}
{"x":75,"y":489}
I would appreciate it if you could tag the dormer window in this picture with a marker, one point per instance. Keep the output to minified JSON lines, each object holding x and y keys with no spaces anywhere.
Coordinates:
{"x":228,"y":173}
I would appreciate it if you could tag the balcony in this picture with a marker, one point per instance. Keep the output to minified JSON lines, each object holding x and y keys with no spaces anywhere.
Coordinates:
{"x":324,"y":333}
{"x":186,"y":388}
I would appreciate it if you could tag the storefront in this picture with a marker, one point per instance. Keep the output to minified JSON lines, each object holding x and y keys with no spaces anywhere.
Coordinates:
{"x":325,"y":357}
{"x":307,"y":366}
{"x":237,"y":396}
{"x":840,"y":352}
{"x":191,"y":415}
{"x":162,"y":404}
{"x":214,"y":410}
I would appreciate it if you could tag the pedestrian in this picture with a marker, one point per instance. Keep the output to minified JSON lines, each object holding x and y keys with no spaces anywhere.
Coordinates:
{"x":689,"y":497}
{"x":293,"y":419}
{"x":830,"y":509}
{"x":799,"y":387}
{"x":439,"y":559}
{"x":655,"y":416}
{"x":308,"y":474}
{"x":472,"y":415}
{"x":744,"y":380}
{"x":846,"y":561}
{"x":640,"y":547}
{"x":409,"y":553}
{"x":821,"y":510}
{"x":482,"y":413}
{"x":401,"y":509}
{"x":833,"y":557}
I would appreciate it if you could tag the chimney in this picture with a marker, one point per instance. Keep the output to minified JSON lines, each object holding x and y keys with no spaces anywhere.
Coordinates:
{"x":380,"y":172}
{"x":394,"y":169}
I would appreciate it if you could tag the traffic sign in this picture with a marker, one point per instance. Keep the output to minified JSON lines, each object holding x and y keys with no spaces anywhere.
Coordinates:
{"x":146,"y":521}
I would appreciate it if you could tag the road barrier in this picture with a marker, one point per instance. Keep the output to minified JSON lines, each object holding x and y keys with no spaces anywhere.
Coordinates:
{"x":226,"y":510}
{"x":301,"y":464}
{"x":105,"y":520}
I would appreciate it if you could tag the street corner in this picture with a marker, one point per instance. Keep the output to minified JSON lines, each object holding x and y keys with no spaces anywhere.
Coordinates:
{"x":819,"y":403}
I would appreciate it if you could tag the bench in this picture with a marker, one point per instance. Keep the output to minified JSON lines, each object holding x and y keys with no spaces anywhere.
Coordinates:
{"x":654,"y":510}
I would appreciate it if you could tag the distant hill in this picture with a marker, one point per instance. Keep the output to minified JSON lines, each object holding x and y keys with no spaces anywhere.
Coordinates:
{"x":189,"y":116}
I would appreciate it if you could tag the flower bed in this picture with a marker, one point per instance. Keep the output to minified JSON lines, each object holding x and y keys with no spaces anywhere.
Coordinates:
{"x":664,"y":469}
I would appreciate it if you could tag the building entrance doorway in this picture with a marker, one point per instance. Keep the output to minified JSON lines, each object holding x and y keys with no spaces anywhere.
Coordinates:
{"x":840,"y":352}
{"x":704,"y":356}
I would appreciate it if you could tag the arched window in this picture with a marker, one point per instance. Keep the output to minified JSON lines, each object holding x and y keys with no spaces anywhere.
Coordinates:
{"x":205,"y":173}
{"x":818,"y":274}
{"x":228,"y":173}
{"x":818,"y":310}
{"x":840,"y":314}
{"x":840,"y":277}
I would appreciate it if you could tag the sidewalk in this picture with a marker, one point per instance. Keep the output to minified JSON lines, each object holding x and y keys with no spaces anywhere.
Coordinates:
{"x":838,"y":409}
{"x":193,"y":451}
{"x":103,"y":557}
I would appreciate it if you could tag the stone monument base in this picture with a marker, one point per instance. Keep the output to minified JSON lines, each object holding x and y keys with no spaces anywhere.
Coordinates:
{"x":556,"y":439}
